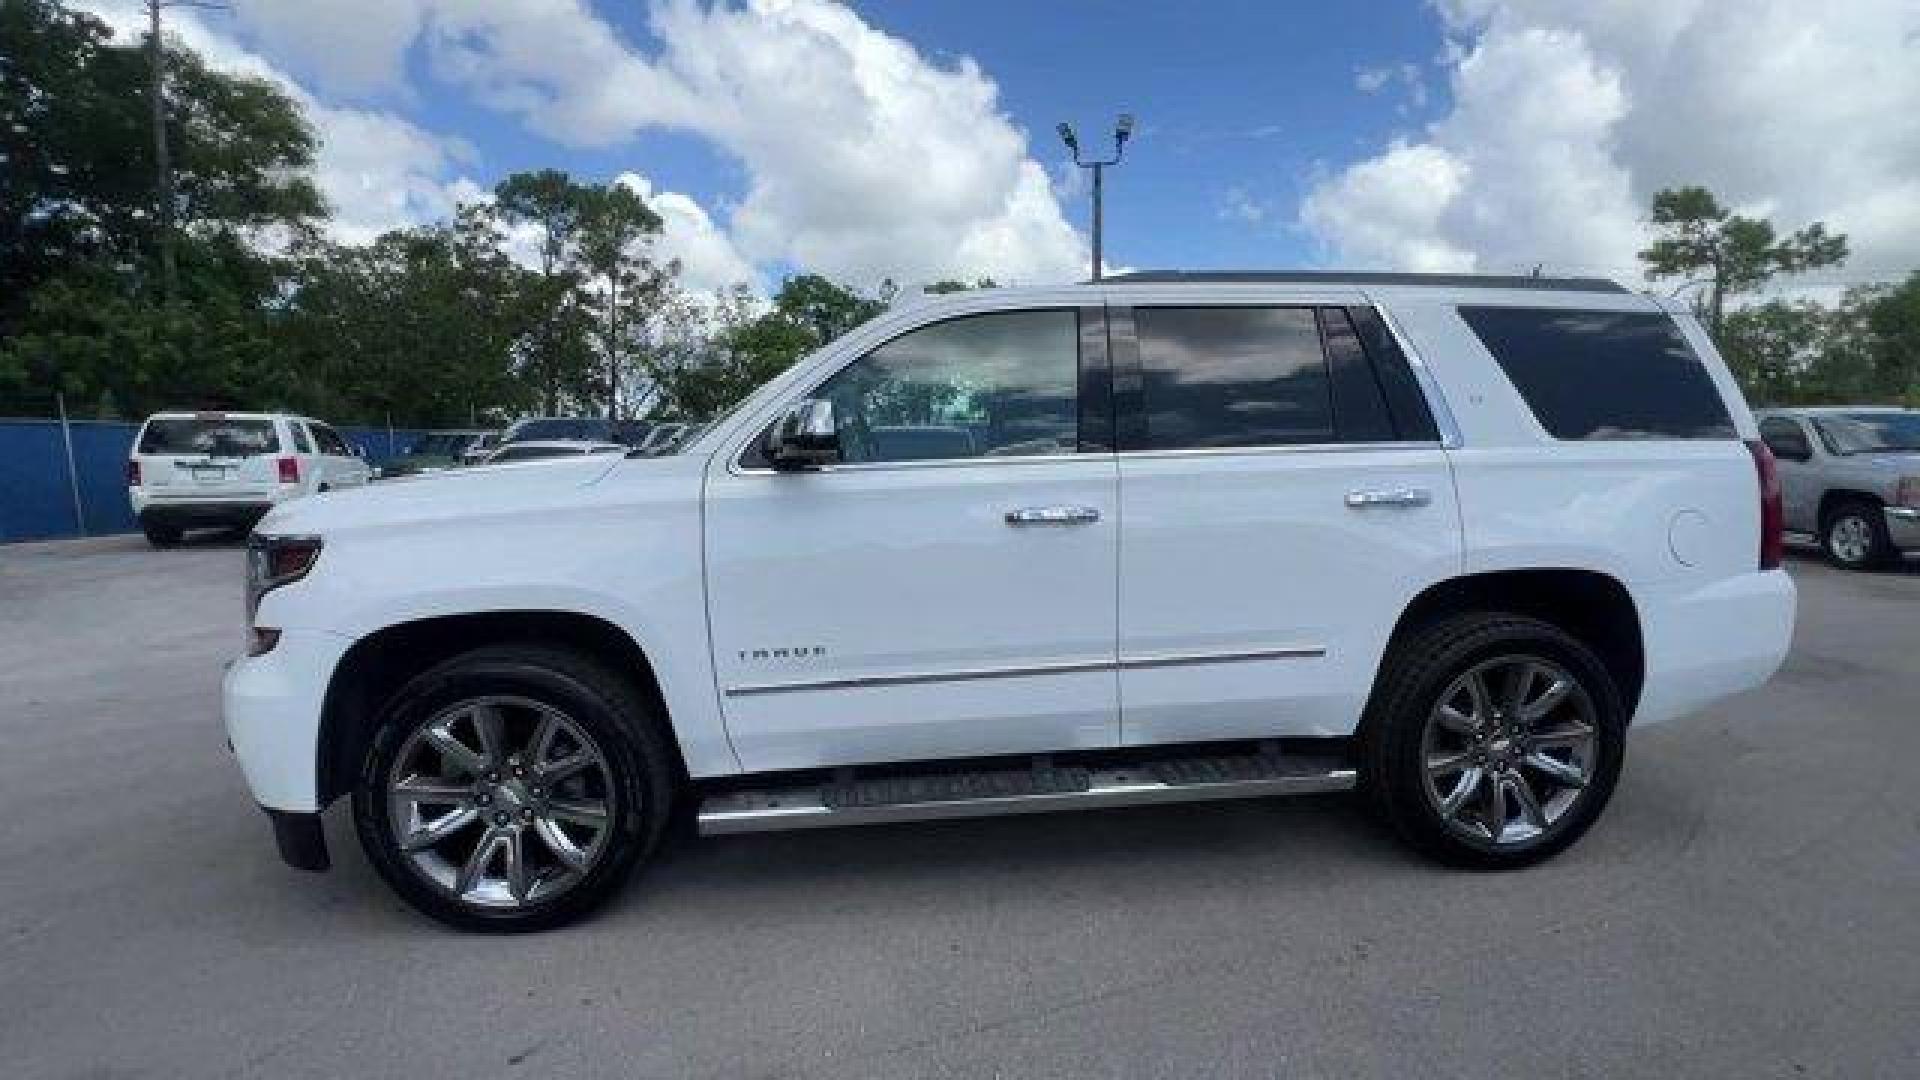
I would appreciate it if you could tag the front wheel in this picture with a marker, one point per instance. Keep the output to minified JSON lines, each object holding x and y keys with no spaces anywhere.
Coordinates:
{"x":1494,"y":740}
{"x":1855,"y":536}
{"x":513,"y":788}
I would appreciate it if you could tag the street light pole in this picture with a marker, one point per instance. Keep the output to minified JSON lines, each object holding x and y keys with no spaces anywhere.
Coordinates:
{"x":1122,"y":130}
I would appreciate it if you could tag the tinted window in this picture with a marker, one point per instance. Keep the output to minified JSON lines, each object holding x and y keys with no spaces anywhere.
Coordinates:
{"x":1872,"y":433}
{"x":300,"y":437}
{"x":330,"y":441}
{"x":211,"y":434}
{"x":1411,"y":417}
{"x":1359,"y":405}
{"x":1223,"y":377}
{"x":1785,"y":438}
{"x":1603,"y":374}
{"x":590,"y":428}
{"x":534,"y":453}
{"x":996,"y":385}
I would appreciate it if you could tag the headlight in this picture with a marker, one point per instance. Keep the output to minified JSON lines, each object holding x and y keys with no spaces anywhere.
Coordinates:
{"x":273,"y":561}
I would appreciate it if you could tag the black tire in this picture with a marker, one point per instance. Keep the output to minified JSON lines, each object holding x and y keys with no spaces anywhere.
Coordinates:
{"x":1869,"y":521}
{"x":161,"y":536}
{"x":1417,"y":672}
{"x":606,"y":706}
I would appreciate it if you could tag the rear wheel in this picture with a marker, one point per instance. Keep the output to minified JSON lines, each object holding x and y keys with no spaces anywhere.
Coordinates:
{"x":161,"y":536}
{"x":1855,"y":536}
{"x":513,"y":788}
{"x":1494,"y":741}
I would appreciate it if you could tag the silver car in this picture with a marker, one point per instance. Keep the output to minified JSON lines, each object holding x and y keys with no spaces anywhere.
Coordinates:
{"x":1851,"y":477}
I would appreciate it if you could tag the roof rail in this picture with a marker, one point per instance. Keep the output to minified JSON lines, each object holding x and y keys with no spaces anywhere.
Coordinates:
{"x":1317,"y":277}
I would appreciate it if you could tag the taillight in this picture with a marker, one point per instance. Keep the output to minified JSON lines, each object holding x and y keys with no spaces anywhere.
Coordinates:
{"x":1773,"y":517}
{"x":289,"y":470}
{"x":133,"y":474}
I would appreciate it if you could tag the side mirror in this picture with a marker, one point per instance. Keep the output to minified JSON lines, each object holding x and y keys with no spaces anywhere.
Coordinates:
{"x":805,"y":437}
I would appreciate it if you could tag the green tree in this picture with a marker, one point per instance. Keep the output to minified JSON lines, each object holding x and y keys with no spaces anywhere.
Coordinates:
{"x":1891,"y":317}
{"x":80,"y":308}
{"x":614,"y":228}
{"x":826,"y":309}
{"x":1702,"y":241}
{"x":558,"y":355}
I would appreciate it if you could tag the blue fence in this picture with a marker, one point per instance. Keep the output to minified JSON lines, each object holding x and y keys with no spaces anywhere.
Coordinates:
{"x":37,"y":491}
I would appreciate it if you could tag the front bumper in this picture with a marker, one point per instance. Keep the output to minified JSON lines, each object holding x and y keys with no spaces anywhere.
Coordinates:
{"x":1903,"y":527}
{"x":301,"y":840}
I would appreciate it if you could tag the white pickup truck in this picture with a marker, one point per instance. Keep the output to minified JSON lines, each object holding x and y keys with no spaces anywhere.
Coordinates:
{"x":1165,"y":538}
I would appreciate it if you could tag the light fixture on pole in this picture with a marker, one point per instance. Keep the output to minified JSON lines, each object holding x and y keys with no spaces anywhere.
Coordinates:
{"x":1122,"y":131}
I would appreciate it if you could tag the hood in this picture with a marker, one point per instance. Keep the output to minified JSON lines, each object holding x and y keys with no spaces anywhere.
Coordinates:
{"x":455,"y":493}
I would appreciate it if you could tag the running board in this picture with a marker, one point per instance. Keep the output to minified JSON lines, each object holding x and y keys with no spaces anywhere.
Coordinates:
{"x":1036,"y":790}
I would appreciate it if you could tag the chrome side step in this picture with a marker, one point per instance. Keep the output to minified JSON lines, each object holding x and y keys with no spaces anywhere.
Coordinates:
{"x":1020,"y":791}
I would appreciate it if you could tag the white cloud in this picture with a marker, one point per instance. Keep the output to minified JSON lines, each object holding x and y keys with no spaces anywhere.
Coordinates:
{"x":352,"y":46}
{"x":377,"y":170}
{"x":863,"y":158}
{"x":1238,"y":205}
{"x":1568,"y":115}
{"x":708,"y":260}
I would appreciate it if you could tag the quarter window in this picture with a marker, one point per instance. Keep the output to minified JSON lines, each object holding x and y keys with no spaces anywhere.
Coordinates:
{"x":1217,"y":377}
{"x":1603,"y":375}
{"x":1003,"y":384}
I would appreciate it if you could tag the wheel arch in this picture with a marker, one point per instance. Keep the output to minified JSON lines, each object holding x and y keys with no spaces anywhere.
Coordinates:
{"x":377,"y":665}
{"x":1832,"y":498}
{"x":1593,"y":606}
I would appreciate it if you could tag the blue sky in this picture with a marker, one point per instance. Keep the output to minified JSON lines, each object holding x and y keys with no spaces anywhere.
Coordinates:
{"x":914,"y":138}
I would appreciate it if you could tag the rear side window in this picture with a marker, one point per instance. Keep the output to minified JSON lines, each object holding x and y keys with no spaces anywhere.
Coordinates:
{"x":211,"y":434}
{"x":1214,"y":377}
{"x":1220,"y":377}
{"x":300,"y":437}
{"x":1603,"y":375}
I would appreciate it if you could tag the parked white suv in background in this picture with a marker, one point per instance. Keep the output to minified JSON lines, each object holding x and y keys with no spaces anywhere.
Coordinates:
{"x":1163,"y":538}
{"x":226,"y":469}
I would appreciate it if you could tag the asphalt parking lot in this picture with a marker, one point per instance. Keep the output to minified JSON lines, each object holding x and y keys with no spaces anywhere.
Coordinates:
{"x":1746,"y":908}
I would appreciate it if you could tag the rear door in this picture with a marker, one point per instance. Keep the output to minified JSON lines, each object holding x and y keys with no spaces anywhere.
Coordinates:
{"x":1283,"y":495}
{"x":339,"y":465}
{"x":208,"y":456}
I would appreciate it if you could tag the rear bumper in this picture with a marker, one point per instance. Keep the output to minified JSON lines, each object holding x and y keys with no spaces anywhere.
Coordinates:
{"x":1713,"y":642}
{"x":1903,"y":527}
{"x":186,"y":515}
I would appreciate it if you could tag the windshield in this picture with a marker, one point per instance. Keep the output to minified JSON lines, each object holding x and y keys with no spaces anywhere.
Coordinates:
{"x":212,"y":434}
{"x":558,"y":427}
{"x":1872,"y":433}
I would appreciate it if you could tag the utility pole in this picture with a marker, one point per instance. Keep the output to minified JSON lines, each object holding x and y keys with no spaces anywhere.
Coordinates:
{"x":164,"y":200}
{"x":1122,"y":130}
{"x":163,"y":187}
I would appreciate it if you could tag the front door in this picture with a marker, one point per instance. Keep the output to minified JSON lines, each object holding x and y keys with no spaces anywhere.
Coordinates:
{"x":948,"y":590}
{"x":1284,"y":494}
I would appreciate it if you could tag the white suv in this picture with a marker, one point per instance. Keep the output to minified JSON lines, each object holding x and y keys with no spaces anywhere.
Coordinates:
{"x":1160,"y":539}
{"x":226,"y":469}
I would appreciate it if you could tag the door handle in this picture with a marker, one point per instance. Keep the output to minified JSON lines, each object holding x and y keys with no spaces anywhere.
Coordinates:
{"x":1407,"y":496}
{"x":1053,"y":515}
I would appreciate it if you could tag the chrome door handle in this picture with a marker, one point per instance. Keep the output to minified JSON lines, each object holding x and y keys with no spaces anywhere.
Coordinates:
{"x":1409,"y":496}
{"x":1053,"y":515}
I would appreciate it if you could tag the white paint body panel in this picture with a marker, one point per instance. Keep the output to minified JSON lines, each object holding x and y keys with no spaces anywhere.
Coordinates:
{"x":908,"y":574}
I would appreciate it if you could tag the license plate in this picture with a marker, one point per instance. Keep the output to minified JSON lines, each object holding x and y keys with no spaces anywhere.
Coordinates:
{"x":209,"y":476}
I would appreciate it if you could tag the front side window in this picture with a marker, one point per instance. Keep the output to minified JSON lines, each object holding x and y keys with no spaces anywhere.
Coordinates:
{"x":1232,"y":376}
{"x":1603,"y":375}
{"x":1003,"y":384}
{"x":330,"y":441}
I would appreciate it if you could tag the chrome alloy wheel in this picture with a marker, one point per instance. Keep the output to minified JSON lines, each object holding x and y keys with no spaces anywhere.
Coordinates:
{"x":1509,"y":748}
{"x":501,"y":802}
{"x":1850,"y":538}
